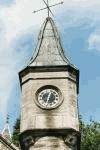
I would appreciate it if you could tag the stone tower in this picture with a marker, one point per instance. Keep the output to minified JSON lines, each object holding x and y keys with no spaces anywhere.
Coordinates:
{"x":49,"y":83}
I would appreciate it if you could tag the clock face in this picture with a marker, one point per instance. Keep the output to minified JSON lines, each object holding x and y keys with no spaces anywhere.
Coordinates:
{"x":48,"y":98}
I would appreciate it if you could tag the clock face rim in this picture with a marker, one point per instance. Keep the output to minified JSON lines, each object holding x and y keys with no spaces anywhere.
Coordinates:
{"x":59,"y":100}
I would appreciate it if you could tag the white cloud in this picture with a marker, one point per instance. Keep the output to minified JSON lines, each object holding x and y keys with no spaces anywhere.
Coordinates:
{"x":82,"y":3}
{"x":19,"y":18}
{"x":94,"y":41}
{"x":14,"y":22}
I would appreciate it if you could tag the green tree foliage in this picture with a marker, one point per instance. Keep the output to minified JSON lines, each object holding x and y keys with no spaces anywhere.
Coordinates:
{"x":16,"y":132}
{"x":90,"y":135}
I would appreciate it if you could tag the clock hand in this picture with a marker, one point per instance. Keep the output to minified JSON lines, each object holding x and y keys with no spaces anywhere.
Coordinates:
{"x":48,"y":97}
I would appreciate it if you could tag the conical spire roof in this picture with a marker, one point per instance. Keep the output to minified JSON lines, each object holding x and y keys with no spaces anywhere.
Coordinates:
{"x":6,"y":131}
{"x":49,"y":51}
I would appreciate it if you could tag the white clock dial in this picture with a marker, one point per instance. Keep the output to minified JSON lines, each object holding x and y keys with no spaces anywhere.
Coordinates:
{"x":48,"y":98}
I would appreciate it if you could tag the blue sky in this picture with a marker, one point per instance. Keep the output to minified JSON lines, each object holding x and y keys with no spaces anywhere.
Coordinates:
{"x":79,"y":25}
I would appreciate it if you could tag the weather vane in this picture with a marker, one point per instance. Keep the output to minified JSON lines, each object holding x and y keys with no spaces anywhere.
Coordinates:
{"x":48,"y":7}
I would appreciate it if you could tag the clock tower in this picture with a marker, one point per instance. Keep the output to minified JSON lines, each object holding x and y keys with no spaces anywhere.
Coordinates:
{"x":50,"y":84}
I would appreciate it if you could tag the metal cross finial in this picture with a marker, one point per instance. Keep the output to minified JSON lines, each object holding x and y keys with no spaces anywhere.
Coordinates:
{"x":7,"y":119}
{"x":48,"y":7}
